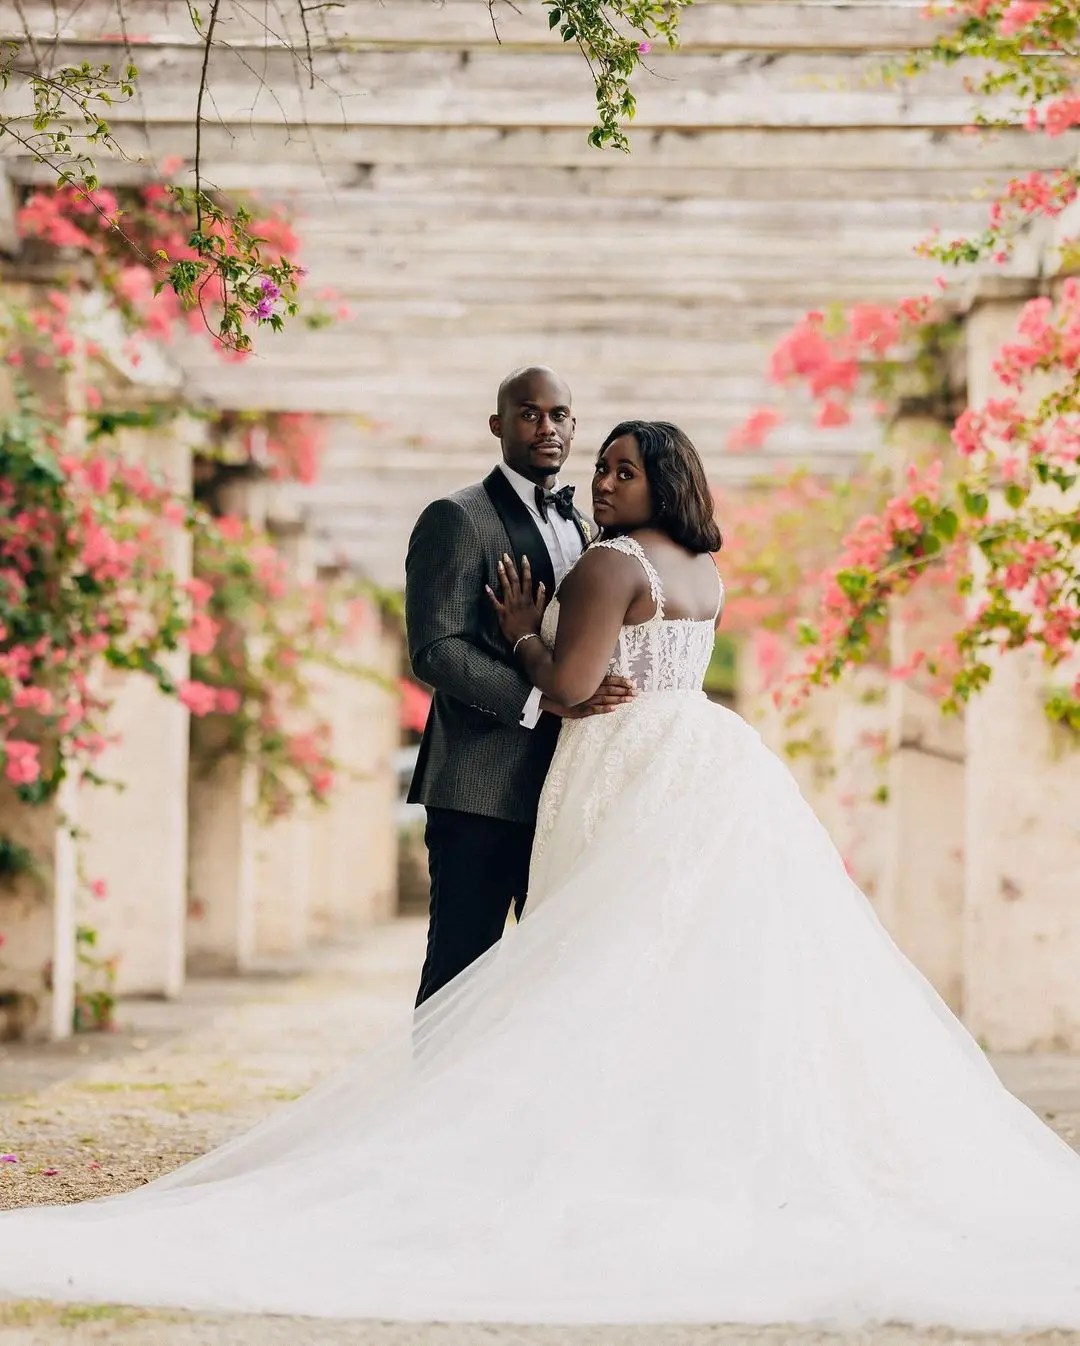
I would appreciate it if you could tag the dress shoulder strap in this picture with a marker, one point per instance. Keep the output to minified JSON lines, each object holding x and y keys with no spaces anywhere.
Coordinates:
{"x":631,"y":547}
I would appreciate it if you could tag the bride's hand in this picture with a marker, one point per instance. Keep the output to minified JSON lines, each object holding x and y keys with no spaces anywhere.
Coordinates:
{"x":520,"y":611}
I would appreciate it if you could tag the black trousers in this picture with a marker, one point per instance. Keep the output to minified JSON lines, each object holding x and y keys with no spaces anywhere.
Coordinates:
{"x":478,"y":867}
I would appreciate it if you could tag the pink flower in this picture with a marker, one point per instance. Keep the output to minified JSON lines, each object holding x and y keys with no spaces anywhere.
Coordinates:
{"x":201,"y":633}
{"x":9,"y":1158}
{"x":99,"y":888}
{"x":228,"y":700}
{"x":199,"y":698}
{"x":21,"y":766}
{"x":199,"y":591}
{"x":231,"y":527}
{"x":1061,"y":115}
{"x":1019,"y":14}
{"x":753,"y":431}
{"x":832,"y":413}
{"x":644,"y":48}
{"x":98,"y":474}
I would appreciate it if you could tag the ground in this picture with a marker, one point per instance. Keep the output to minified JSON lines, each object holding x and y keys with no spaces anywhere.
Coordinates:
{"x":109,"y":1111}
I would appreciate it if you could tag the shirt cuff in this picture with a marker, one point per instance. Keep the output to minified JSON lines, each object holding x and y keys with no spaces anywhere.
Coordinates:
{"x":530,"y":713}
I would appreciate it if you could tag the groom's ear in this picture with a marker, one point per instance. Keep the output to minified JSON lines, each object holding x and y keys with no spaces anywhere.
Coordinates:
{"x":495,"y":425}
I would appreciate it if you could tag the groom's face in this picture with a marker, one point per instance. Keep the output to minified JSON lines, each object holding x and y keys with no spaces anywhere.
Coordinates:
{"x":535,"y":426}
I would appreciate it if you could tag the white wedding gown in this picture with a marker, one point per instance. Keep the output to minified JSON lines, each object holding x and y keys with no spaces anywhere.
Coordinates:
{"x":697,"y":1083}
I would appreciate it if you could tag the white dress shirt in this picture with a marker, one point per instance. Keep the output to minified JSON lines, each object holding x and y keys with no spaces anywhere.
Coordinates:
{"x":563,"y":541}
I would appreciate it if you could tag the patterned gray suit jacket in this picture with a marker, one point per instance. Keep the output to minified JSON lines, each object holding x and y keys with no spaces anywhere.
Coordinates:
{"x":475,"y":756}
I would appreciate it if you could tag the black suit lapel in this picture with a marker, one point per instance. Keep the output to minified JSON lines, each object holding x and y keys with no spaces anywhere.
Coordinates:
{"x":525,"y":539}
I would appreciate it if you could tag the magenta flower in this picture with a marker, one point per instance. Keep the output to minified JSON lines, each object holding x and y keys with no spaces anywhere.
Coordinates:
{"x":9,"y":1158}
{"x":644,"y":48}
{"x":269,"y":289}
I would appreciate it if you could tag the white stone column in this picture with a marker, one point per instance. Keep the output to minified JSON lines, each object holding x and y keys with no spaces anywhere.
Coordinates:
{"x":223,"y":829}
{"x":833,"y":747}
{"x":860,"y":807}
{"x":354,"y":851}
{"x":37,"y":901}
{"x":283,"y":846}
{"x":136,"y":835}
{"x":37,"y":919}
{"x":223,"y":833}
{"x":803,"y":742}
{"x":922,"y":894}
{"x":1021,"y":912}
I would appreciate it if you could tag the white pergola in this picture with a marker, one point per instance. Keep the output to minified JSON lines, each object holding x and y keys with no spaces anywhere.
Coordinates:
{"x":444,"y":188}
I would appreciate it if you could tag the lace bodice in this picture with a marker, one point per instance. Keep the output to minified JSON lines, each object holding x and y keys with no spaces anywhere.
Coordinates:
{"x":661,"y":654}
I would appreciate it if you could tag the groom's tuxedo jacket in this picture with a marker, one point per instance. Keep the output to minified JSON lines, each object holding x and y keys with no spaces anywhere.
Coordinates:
{"x":475,"y":756}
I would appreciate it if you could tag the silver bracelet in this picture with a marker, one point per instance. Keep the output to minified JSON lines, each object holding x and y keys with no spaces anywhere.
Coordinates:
{"x":530,"y":635}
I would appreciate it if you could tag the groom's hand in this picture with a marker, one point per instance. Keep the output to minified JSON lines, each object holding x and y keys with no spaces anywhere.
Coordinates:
{"x":612,"y":693}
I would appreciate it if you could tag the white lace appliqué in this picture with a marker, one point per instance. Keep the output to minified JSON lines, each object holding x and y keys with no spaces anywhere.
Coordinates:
{"x":662,"y":654}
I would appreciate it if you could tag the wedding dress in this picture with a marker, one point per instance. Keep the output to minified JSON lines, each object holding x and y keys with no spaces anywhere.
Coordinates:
{"x":697,"y":1083}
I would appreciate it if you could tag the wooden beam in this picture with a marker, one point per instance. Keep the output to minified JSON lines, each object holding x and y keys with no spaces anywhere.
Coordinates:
{"x":384,"y":156}
{"x":295,"y":182}
{"x":409,"y":87}
{"x":335,"y":395}
{"x":706,"y":26}
{"x":398,"y":452}
{"x":747,"y":283}
{"x":352,"y":353}
{"x":455,"y":215}
{"x":513,"y":249}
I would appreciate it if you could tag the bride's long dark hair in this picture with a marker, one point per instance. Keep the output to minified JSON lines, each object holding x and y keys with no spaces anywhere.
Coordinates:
{"x":676,"y":475}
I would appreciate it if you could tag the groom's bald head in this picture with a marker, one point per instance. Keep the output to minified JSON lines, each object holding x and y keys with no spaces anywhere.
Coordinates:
{"x":518,"y":379}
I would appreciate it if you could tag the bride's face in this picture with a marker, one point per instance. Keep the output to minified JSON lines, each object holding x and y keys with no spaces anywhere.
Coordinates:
{"x":621,"y":496}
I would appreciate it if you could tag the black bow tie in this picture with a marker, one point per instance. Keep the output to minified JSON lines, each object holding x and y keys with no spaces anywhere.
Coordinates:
{"x":563,"y":500}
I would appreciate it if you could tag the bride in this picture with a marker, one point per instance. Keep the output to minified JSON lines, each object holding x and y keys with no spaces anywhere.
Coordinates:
{"x":697,"y":1083}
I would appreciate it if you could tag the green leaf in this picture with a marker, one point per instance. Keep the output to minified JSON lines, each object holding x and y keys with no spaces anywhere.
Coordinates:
{"x":554,"y":17}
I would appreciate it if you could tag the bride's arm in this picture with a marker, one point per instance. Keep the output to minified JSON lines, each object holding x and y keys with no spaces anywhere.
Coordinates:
{"x":593,"y":602}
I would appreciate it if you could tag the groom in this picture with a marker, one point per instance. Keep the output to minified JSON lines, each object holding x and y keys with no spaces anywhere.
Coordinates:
{"x":490,"y":735}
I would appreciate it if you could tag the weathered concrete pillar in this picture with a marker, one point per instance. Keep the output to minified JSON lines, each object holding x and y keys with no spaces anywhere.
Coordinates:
{"x":834,"y":746}
{"x":223,"y":831}
{"x":354,"y":850}
{"x":39,"y":874}
{"x":380,"y":785}
{"x":222,"y":837}
{"x":922,"y":893}
{"x":283,"y":845}
{"x":37,"y":917}
{"x":803,"y":740}
{"x":859,"y":817}
{"x":136,"y":836}
{"x":1021,"y":926}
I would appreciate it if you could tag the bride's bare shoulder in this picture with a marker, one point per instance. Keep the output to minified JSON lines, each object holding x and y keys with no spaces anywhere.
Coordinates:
{"x":603,"y":570}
